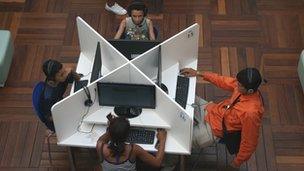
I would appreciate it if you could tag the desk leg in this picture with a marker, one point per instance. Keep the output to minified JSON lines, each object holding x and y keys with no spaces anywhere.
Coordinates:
{"x":182,"y":163}
{"x":71,"y":158}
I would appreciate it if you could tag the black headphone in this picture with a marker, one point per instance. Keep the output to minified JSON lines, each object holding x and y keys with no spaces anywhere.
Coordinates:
{"x":249,"y":77}
{"x":137,"y":3}
{"x":49,"y":67}
{"x":89,"y":101}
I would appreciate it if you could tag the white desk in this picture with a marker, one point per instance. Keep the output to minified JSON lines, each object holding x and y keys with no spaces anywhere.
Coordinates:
{"x":177,"y":52}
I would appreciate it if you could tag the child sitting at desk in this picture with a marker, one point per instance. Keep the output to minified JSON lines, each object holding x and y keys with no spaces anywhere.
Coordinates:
{"x":136,"y":26}
{"x":116,"y":154}
{"x":56,"y":82}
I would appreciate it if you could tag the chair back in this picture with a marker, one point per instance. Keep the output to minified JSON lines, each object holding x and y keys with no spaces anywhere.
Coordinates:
{"x":36,"y":99}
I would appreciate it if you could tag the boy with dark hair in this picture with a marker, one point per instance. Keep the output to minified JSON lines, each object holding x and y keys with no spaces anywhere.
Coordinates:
{"x":136,"y":26}
{"x":239,"y":116}
{"x":56,"y":82}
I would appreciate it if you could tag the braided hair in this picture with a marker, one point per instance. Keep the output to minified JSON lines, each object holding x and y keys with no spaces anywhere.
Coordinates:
{"x":118,"y":129}
{"x":51,"y":68}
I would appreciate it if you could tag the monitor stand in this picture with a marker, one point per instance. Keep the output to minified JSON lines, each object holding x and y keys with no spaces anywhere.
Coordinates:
{"x":163,"y":87}
{"x":128,"y":112}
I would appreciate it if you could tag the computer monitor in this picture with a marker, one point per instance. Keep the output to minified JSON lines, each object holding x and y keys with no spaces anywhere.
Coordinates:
{"x":159,"y":68}
{"x":159,"y":72}
{"x":132,"y":48}
{"x":96,"y":69}
{"x":127,"y":99}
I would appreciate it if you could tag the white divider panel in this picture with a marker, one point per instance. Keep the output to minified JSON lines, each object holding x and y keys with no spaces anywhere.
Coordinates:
{"x":148,"y":118}
{"x":138,"y":77}
{"x":148,"y":62}
{"x":111,"y":58}
{"x":120,"y":75}
{"x":178,"y":119}
{"x":84,"y":66}
{"x":169,"y":78}
{"x":178,"y":52}
{"x":88,"y":38}
{"x":181,"y":48}
{"x":68,"y":112}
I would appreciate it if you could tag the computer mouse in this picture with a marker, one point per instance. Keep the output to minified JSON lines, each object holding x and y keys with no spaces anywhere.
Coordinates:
{"x":80,"y":75}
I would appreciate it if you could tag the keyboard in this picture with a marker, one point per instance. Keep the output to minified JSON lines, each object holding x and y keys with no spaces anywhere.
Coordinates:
{"x":80,"y":84}
{"x":141,"y":136}
{"x":181,"y":94}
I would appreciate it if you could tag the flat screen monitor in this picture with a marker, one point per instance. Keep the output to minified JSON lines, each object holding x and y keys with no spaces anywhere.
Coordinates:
{"x":97,"y":64}
{"x":159,"y":68}
{"x":132,"y":48}
{"x":128,"y":99}
{"x":159,"y":72}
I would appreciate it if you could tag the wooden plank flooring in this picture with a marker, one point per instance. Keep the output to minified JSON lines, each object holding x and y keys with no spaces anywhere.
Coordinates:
{"x":267,"y":34}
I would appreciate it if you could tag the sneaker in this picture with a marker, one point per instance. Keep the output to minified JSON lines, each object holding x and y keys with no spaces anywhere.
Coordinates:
{"x":117,"y":9}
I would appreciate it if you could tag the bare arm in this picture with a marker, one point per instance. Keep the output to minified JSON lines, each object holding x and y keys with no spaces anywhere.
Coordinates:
{"x":151,"y":31}
{"x":121,"y":29}
{"x":149,"y":158}
{"x":105,"y":138}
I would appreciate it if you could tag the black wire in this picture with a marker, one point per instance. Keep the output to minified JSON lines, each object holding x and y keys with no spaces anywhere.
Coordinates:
{"x":86,"y":113}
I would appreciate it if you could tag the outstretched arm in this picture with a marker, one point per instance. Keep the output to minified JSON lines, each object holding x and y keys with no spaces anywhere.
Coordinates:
{"x":149,"y":158}
{"x":224,"y":82}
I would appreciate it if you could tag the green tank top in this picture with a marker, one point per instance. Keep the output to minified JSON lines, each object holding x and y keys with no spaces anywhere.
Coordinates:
{"x":136,"y":32}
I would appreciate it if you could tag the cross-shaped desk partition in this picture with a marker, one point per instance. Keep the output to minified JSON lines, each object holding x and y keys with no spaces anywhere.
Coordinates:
{"x":80,"y":126}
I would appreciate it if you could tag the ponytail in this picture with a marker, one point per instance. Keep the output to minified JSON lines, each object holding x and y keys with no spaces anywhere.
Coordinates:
{"x":119,"y":131}
{"x":117,"y":148}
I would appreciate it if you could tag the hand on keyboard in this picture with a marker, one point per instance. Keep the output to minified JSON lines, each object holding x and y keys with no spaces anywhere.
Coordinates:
{"x":141,"y":136}
{"x":161,"y":135}
{"x":188,"y":72}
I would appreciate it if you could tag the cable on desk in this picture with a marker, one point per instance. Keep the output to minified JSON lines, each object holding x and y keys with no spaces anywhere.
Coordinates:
{"x":86,"y":113}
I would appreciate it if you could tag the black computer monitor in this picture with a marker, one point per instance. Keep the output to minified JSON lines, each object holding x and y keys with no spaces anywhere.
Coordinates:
{"x":96,"y":69}
{"x":127,"y":99}
{"x":159,"y":72}
{"x":132,"y":48}
{"x":159,"y":68}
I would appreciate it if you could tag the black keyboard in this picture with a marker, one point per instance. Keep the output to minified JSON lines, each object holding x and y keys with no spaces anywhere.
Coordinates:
{"x":181,"y":94}
{"x":141,"y":136}
{"x":79,"y":84}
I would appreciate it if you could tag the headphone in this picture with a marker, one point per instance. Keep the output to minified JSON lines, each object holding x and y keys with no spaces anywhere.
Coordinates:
{"x":249,"y":77}
{"x":49,"y":67}
{"x":137,"y":3}
{"x":89,"y":101}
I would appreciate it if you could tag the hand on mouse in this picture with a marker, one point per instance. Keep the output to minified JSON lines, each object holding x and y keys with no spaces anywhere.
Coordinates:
{"x":188,"y":72}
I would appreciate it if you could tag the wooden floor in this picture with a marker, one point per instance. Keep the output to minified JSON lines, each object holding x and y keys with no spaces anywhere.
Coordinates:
{"x":267,"y":34}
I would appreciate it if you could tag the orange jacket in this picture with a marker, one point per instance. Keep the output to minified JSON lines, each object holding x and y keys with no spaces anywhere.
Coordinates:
{"x":245,"y":115}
